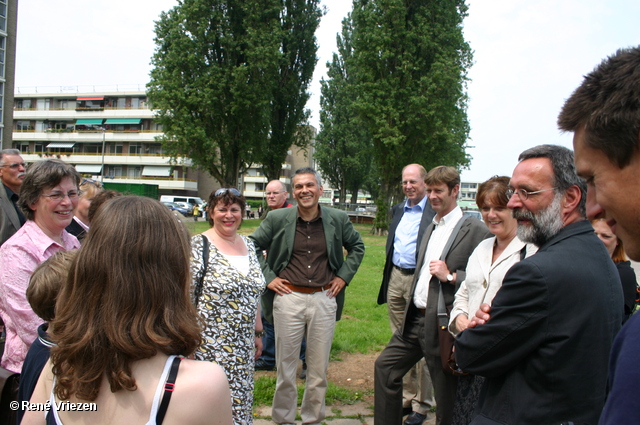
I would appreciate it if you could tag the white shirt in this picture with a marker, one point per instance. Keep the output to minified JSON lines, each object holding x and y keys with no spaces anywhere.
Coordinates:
{"x":439,"y":237}
{"x":484,"y":278}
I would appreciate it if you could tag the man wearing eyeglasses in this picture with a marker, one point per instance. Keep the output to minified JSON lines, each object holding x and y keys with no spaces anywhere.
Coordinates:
{"x":543,"y":345}
{"x":276,"y":193}
{"x":307,"y":273}
{"x":12,"y":172}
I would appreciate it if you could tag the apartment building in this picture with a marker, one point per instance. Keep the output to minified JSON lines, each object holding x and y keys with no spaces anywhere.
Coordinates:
{"x":106,"y":134}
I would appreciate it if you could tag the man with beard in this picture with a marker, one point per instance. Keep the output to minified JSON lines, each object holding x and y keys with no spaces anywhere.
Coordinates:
{"x":544,"y":343}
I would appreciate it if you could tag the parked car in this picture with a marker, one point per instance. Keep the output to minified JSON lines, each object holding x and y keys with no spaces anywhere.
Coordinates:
{"x":187,"y":206}
{"x":178,"y":208}
{"x":475,"y":214}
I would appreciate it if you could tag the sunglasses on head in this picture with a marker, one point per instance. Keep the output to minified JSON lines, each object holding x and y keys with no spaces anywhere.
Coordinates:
{"x":224,"y":190}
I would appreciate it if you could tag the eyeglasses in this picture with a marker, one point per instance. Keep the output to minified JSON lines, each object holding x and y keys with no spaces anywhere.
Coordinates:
{"x":15,"y":165}
{"x":224,"y":190}
{"x":272,"y":193}
{"x":59,"y":196}
{"x":524,"y":194}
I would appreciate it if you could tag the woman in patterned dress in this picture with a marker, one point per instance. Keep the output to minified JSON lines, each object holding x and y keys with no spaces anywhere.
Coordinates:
{"x":226,"y":292}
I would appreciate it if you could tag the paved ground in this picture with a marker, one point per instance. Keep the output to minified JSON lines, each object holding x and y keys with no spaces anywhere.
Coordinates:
{"x":360,"y":413}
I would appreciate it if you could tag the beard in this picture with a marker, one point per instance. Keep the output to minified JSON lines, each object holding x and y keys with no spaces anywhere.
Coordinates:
{"x":543,"y":225}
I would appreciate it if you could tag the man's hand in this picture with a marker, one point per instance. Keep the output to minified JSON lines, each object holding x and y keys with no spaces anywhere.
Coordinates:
{"x":439,"y":269}
{"x":276,"y":285}
{"x":482,"y":316}
{"x":337,"y":284}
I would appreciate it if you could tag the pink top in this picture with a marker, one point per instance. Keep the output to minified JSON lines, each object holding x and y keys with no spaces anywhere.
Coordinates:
{"x":19,"y":257}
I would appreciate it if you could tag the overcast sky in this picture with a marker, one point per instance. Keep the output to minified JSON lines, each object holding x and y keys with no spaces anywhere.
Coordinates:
{"x":528,"y":57}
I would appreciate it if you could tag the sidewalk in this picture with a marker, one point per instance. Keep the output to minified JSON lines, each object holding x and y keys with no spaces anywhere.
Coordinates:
{"x":359,"y":413}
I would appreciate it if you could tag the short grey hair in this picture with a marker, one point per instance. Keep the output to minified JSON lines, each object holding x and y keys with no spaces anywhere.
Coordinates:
{"x":4,"y":152}
{"x":40,"y":176}
{"x":308,"y":170}
{"x":564,"y":170}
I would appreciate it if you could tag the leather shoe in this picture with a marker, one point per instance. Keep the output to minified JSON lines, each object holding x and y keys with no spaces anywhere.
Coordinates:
{"x":262,"y":365}
{"x":415,"y":418}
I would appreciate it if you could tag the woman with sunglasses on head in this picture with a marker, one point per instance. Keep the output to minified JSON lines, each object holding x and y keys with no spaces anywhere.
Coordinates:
{"x":80,"y":224}
{"x":123,"y":322}
{"x":48,"y":199}
{"x":486,"y":269}
{"x":227,"y":285}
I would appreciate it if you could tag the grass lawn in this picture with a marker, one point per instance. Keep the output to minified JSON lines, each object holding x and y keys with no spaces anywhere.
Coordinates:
{"x":364,"y":326}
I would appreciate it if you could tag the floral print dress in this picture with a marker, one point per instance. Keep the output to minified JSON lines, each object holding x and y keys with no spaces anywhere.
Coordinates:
{"x":228,"y":304}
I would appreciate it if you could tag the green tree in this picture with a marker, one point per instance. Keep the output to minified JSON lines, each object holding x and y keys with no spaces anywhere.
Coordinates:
{"x":288,"y":118}
{"x":343,"y":148}
{"x":410,"y":61}
{"x":213,"y":69}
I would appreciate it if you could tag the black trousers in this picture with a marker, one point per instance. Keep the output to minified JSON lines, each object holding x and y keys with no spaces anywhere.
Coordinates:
{"x":402,"y":352}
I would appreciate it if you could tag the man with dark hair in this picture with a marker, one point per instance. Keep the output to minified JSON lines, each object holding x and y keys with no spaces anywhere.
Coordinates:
{"x":307,"y":273}
{"x":542,"y":349}
{"x":604,"y":115}
{"x":442,"y":260}
{"x":409,"y":220}
{"x":12,"y":172}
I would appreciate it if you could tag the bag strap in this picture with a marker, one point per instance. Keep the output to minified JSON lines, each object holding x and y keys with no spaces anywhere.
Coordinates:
{"x":169,"y":385}
{"x":205,"y":263}
{"x":443,"y":316}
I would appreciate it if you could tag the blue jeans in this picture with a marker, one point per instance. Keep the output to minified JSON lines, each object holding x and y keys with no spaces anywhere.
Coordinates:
{"x":269,"y":344}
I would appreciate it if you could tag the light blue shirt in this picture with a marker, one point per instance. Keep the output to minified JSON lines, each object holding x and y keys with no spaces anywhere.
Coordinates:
{"x":404,"y":244}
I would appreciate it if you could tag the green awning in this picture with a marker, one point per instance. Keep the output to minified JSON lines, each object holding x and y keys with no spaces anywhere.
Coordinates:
{"x":123,"y":121}
{"x":89,"y":122}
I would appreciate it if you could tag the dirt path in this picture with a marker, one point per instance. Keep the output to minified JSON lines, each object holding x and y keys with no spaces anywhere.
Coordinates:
{"x":355,"y":372}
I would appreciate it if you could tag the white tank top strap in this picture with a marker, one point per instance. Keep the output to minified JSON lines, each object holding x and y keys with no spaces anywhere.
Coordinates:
{"x":154,"y":406}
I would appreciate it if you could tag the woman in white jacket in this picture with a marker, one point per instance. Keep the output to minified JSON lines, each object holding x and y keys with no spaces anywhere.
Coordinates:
{"x":486,"y":268}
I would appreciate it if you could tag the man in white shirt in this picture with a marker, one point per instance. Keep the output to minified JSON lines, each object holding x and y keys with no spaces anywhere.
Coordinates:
{"x":418,"y":335}
{"x":409,"y":220}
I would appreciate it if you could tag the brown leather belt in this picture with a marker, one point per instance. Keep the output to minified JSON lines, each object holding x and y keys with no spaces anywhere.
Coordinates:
{"x":421,"y":311}
{"x":306,"y":289}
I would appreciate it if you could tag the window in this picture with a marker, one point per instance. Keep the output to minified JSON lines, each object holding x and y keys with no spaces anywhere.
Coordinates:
{"x":135,"y":148}
{"x":116,"y":149}
{"x":24,"y":147}
{"x":93,"y":148}
{"x":23,"y":125}
{"x":39,"y":147}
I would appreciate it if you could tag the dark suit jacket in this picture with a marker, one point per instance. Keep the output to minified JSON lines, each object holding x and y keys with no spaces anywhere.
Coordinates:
{"x":397,"y":211}
{"x":9,"y":221}
{"x":545,"y":349}
{"x":277,"y":234}
{"x":472,"y":232}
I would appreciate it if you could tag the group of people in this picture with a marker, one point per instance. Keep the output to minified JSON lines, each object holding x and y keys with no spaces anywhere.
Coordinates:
{"x":534,"y":314}
{"x":519,"y":320}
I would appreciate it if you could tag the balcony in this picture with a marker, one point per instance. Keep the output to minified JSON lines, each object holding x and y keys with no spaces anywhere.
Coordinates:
{"x":87,"y":136}
{"x":109,"y":158}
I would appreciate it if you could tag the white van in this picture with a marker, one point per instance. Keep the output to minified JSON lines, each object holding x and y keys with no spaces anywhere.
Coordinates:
{"x":193,"y":200}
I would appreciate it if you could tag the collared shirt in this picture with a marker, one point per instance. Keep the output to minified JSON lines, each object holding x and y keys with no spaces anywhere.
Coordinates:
{"x":19,"y":257}
{"x":404,"y":243}
{"x":14,"y":200}
{"x":309,"y":264}
{"x":439,"y":237}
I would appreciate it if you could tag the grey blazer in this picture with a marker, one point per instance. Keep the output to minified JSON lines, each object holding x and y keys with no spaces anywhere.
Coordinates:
{"x":9,"y":221}
{"x":472,"y":232}
{"x":397,"y":211}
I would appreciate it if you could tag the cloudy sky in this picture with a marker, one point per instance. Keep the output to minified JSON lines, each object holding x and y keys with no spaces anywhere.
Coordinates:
{"x":528,"y":58}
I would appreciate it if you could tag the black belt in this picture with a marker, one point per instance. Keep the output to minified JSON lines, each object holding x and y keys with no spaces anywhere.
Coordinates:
{"x":404,"y":271}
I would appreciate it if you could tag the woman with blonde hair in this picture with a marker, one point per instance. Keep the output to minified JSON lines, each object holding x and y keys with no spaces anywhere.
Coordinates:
{"x":123,"y":320}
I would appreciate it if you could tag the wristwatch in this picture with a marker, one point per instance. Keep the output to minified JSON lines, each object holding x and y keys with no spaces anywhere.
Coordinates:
{"x":450,"y":277}
{"x":259,"y":334}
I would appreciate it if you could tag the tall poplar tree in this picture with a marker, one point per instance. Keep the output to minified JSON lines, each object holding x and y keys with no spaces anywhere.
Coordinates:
{"x":411,"y":60}
{"x":343,"y":149}
{"x":215,"y":62}
{"x":298,"y":20}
